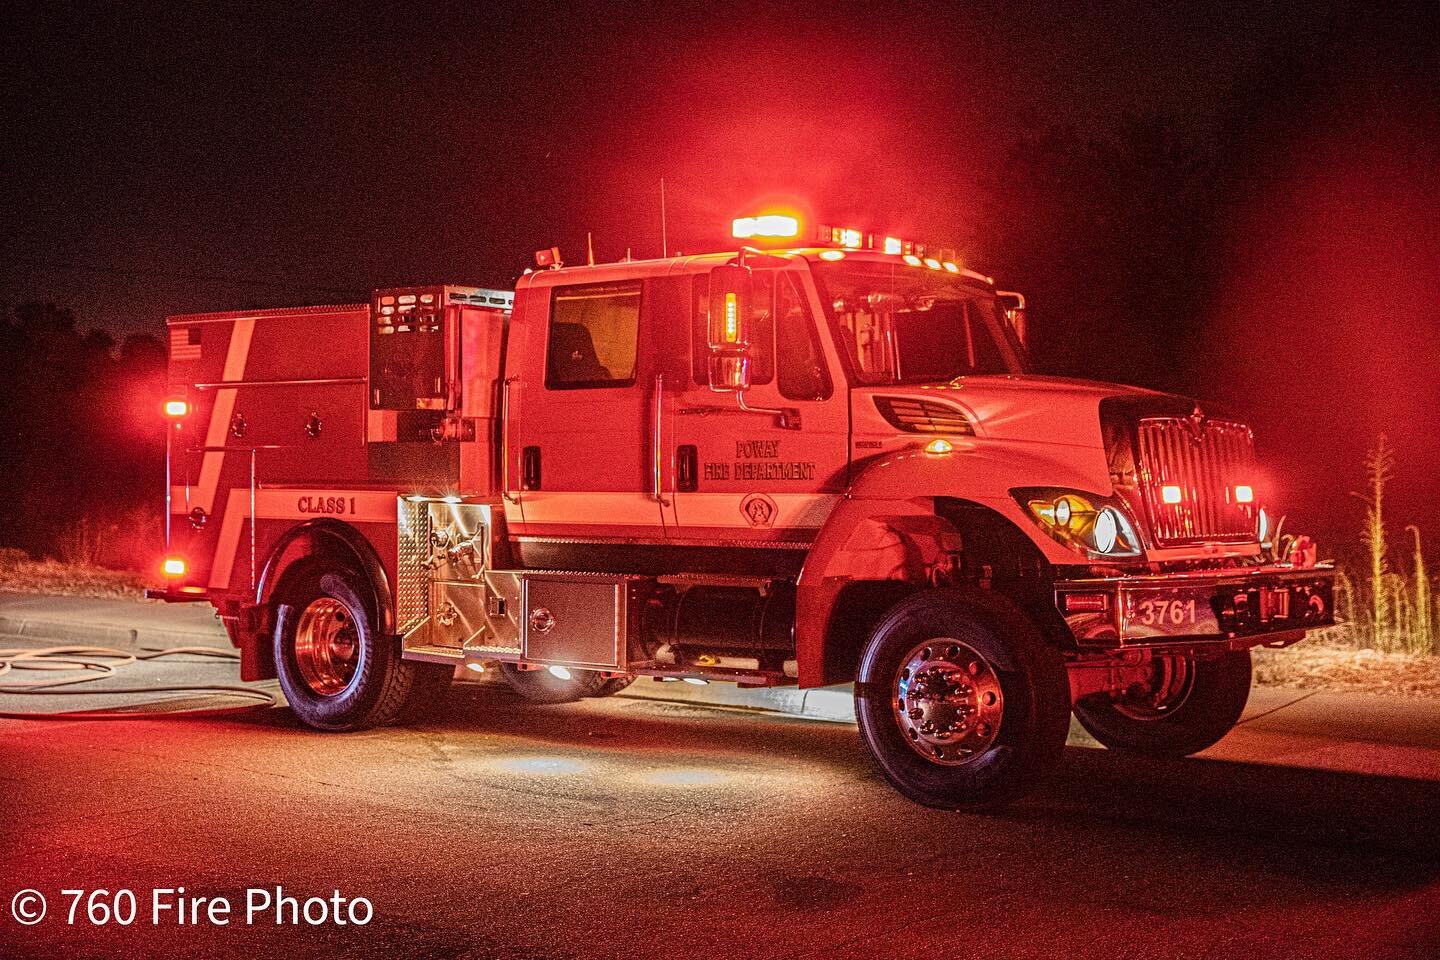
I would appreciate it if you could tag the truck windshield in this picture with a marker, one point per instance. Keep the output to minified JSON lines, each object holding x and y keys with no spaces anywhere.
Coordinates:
{"x":900,"y":324}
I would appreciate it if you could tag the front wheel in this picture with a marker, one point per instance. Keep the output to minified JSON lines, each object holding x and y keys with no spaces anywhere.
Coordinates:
{"x":1183,"y":707}
{"x":960,"y":701}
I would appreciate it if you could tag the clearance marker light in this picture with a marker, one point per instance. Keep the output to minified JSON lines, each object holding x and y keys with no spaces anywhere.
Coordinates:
{"x":176,"y":408}
{"x":1244,"y":493}
{"x":939,"y":447}
{"x":559,"y":672}
{"x":893,"y":245}
{"x":951,"y":267}
{"x":1170,"y":493}
{"x":770,"y":225}
{"x":911,"y":259}
{"x":732,"y":318}
{"x":832,"y":254}
{"x":932,"y":263}
{"x":173,"y":567}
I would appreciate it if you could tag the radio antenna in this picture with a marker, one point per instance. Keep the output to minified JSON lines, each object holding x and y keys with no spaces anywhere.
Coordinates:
{"x":664,"y":240}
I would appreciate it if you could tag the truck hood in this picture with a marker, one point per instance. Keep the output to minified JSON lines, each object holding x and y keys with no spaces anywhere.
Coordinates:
{"x":1022,"y":407}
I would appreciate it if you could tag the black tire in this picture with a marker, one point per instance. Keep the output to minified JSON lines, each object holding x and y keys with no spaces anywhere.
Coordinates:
{"x":613,"y":685}
{"x":542,"y":686}
{"x":1030,"y":718}
{"x":370,"y":685}
{"x":1216,"y":696}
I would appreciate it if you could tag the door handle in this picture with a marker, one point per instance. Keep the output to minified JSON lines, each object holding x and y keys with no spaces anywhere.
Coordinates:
{"x":505,"y":440}
{"x":530,"y":468}
{"x":687,"y":468}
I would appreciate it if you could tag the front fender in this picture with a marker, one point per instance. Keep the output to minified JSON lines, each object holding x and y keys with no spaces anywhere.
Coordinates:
{"x":888,"y":530}
{"x":984,"y":471}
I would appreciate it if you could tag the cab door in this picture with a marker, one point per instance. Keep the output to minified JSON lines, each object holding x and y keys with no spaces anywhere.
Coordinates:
{"x":582,"y":413}
{"x":769,"y":475}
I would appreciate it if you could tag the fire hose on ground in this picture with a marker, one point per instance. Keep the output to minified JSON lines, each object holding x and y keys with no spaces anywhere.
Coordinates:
{"x":90,"y":664}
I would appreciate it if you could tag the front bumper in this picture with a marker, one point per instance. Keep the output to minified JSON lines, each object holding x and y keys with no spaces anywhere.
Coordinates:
{"x":1245,"y":603}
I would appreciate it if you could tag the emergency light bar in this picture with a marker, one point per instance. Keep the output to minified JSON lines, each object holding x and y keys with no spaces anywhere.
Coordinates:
{"x":852,"y":238}
{"x":782,"y":226}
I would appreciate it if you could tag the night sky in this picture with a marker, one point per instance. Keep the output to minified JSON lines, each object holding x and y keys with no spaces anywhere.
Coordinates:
{"x":217,"y":156}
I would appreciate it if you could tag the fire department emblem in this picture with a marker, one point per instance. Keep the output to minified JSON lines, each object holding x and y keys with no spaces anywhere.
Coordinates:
{"x":758,"y":510}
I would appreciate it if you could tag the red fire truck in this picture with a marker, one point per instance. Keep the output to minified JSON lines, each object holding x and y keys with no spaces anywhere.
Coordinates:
{"x":780,"y":464}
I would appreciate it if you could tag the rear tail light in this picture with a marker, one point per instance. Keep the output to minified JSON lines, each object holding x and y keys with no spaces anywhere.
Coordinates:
{"x":176,"y":408}
{"x":173,"y":568}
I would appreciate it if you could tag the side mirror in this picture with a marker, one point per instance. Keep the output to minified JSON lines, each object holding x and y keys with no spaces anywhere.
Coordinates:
{"x":1014,"y":307}
{"x":731,"y":297}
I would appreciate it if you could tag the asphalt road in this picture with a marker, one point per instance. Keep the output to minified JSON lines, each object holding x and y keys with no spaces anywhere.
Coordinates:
{"x":627,"y":828}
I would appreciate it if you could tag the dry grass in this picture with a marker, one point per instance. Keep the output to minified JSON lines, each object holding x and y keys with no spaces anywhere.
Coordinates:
{"x":1313,"y":665}
{"x":20,"y":574}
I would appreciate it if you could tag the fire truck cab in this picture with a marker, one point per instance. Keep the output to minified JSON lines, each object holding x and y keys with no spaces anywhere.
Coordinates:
{"x":811,"y":465}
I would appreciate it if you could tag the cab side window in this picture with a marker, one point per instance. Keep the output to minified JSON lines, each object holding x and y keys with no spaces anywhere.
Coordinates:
{"x":593,"y":337}
{"x":800,"y":363}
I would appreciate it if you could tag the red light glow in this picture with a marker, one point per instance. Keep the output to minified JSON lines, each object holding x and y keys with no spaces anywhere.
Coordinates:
{"x":1170,"y":493}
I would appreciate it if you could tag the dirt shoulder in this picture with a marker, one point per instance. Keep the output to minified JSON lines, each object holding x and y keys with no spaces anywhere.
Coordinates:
{"x":1316,"y":666}
{"x":19,"y":574}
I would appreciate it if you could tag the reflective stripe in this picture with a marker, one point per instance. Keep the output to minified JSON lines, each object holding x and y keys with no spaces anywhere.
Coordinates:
{"x":691,"y":510}
{"x":212,"y":460}
{"x":355,"y":506}
{"x":236,"y":508}
{"x":591,"y":508}
{"x":793,"y":510}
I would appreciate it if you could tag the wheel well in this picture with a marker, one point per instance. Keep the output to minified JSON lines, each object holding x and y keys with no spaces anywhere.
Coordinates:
{"x":324,"y":541}
{"x":997,"y":555}
{"x":332,"y":540}
{"x":970,"y":545}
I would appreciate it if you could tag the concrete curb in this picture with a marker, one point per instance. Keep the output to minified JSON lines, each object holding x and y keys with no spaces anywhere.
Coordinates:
{"x":107,"y":634}
{"x":78,"y":621}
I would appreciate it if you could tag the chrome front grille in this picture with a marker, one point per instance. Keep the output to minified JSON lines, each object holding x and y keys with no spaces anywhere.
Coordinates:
{"x":1207,"y":460}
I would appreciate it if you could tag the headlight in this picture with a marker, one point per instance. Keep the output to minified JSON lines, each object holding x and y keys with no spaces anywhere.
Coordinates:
{"x":1093,"y":526}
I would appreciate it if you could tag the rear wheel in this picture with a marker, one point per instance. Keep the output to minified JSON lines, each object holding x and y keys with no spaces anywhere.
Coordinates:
{"x":337,"y":669}
{"x":1184,"y":706}
{"x":554,"y":685}
{"x":960,"y":701}
{"x":613,"y":685}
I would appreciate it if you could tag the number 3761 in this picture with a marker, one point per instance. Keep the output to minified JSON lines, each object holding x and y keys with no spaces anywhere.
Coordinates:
{"x":1161,"y":613}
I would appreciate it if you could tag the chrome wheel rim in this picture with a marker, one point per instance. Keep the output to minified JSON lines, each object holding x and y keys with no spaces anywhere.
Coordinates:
{"x":327,"y":647}
{"x":948,"y":701}
{"x":1171,"y":680}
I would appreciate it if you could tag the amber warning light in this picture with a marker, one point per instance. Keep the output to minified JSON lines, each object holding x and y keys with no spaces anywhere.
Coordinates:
{"x":173,"y":567}
{"x":774,"y":225}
